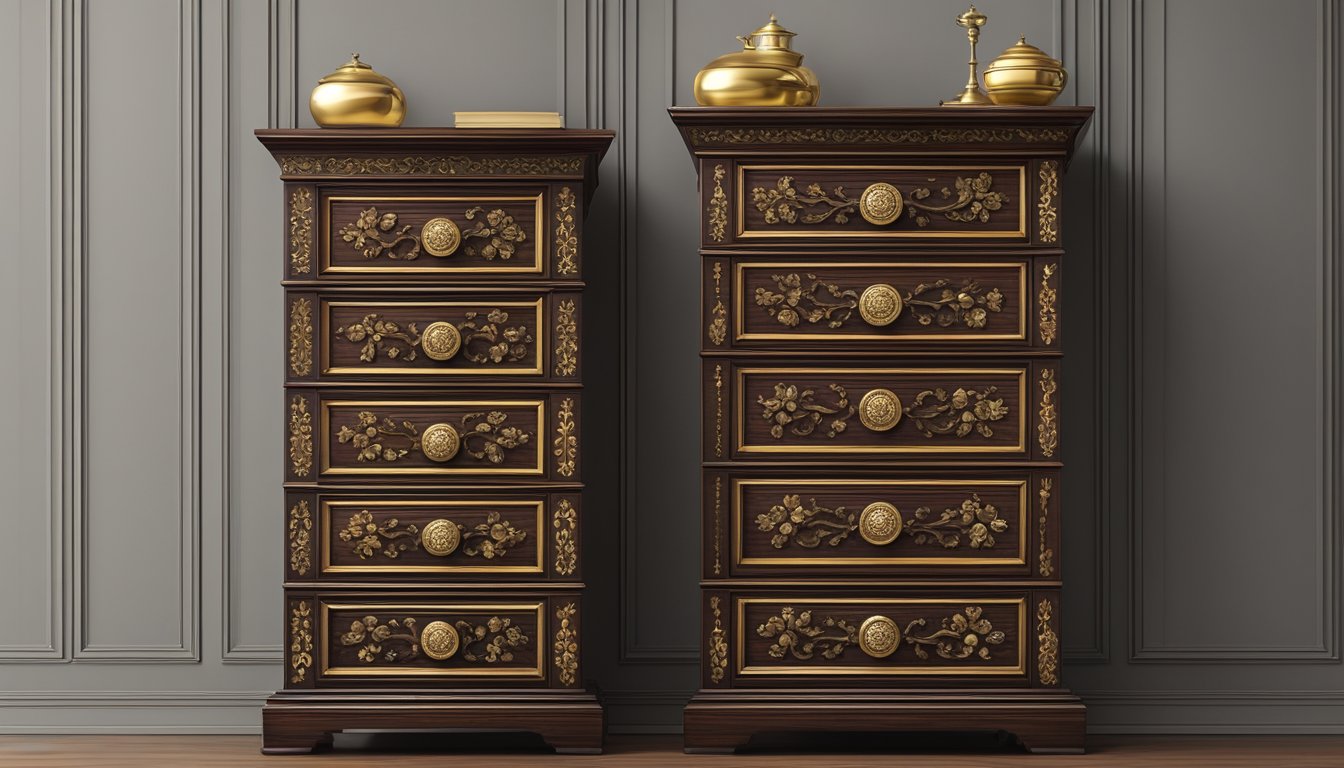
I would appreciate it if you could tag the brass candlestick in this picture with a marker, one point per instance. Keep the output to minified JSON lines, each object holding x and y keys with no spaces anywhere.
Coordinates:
{"x":970,"y":96}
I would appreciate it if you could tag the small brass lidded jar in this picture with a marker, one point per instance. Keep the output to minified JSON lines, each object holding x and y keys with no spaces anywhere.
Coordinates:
{"x":355,"y":96}
{"x":767,"y":72}
{"x":1024,"y":75}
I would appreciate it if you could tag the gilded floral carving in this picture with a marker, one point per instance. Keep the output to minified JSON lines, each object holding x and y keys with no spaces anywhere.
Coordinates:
{"x":566,"y":339}
{"x":301,"y":337}
{"x":300,"y":230}
{"x":1046,"y":557}
{"x":429,"y":165}
{"x":566,"y":443}
{"x":718,"y":409}
{"x":800,"y":412}
{"x":703,"y":136}
{"x":485,"y":436}
{"x":974,"y":200}
{"x":398,"y":640}
{"x":566,"y":645}
{"x":376,"y":234}
{"x":718,"y":207}
{"x":566,"y":243}
{"x":566,"y":524}
{"x":498,"y":231}
{"x":718,"y":644}
{"x":936,"y":412}
{"x":963,"y":635}
{"x":820,"y":302}
{"x":300,"y":538}
{"x":1047,"y":645}
{"x":300,"y":436}
{"x":1047,"y":431}
{"x":300,"y":641}
{"x":1049,"y":316}
{"x":1046,"y":208}
{"x":808,"y":524}
{"x":375,"y":334}
{"x":369,"y":537}
{"x":718,"y":324}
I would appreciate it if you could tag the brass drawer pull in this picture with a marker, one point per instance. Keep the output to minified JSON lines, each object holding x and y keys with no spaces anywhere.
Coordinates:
{"x":440,"y":442}
{"x":880,"y":410}
{"x":879,"y":636}
{"x":880,"y":305}
{"x":439,"y":640}
{"x":880,"y":523}
{"x":440,"y":537}
{"x":881,"y":204}
{"x":441,"y":341}
{"x":440,"y":236}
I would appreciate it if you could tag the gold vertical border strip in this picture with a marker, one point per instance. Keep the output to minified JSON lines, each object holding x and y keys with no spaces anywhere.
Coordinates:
{"x":566,"y":441}
{"x":718,"y":323}
{"x":1047,"y":644}
{"x":301,"y":230}
{"x":566,"y":243}
{"x":301,"y":538}
{"x":718,"y":643}
{"x":1047,"y":208}
{"x":1048,"y":430}
{"x":718,"y":524}
{"x":566,"y":338}
{"x":737,"y":494}
{"x":300,"y":436}
{"x":329,"y":530}
{"x":566,"y":645}
{"x":565,"y":522}
{"x":536,"y":672}
{"x":1048,"y":322}
{"x":300,"y":641}
{"x":718,"y":207}
{"x":955,"y":603}
{"x":718,"y":410}
{"x":301,"y":337}
{"x":1046,"y":558}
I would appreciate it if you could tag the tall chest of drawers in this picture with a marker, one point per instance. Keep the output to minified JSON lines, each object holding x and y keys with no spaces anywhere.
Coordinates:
{"x":433,"y":496}
{"x":881,"y":455}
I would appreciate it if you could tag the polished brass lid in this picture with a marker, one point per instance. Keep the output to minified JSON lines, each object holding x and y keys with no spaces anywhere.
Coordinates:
{"x":1024,"y":54}
{"x":356,"y":71}
{"x":771,"y":37}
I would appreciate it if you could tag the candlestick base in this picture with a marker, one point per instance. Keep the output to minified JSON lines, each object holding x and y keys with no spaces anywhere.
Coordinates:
{"x":970,"y":97}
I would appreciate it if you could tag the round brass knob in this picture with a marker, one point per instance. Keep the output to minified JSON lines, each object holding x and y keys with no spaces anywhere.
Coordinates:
{"x":440,"y":340}
{"x":440,"y":442}
{"x":440,"y":537}
{"x":880,"y":410}
{"x":880,"y":523}
{"x":439,"y":640}
{"x":440,"y":237}
{"x":880,"y":305}
{"x":881,"y":204}
{"x":879,"y":637}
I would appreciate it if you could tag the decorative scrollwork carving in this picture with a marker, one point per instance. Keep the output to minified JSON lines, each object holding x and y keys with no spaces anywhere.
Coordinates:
{"x":300,"y":436}
{"x":489,"y":643}
{"x":566,"y":339}
{"x":368,"y":234}
{"x":300,"y":538}
{"x":566,"y":646}
{"x":300,"y":230}
{"x":718,"y":644}
{"x":566,"y":243}
{"x":420,"y":165}
{"x":703,"y":136}
{"x":975,"y":200}
{"x":718,"y":409}
{"x":1047,"y":645}
{"x":369,"y":537}
{"x":1046,"y":558}
{"x":483,"y":341}
{"x":566,"y":441}
{"x":956,"y":414}
{"x":718,"y":207}
{"x":718,"y":524}
{"x":1047,"y":212}
{"x":963,"y":635}
{"x":1047,"y":431}
{"x":379,"y":335}
{"x":809,"y":524}
{"x":1049,"y":316}
{"x":300,"y":641}
{"x":301,"y":337}
{"x":484,"y":435}
{"x":795,"y":634}
{"x":566,"y":524}
{"x":718,"y":324}
{"x":499,"y":231}
{"x":820,"y":301}
{"x":801,"y":413}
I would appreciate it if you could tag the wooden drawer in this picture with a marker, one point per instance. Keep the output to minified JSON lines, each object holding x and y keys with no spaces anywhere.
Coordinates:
{"x":947,"y":636}
{"x":466,"y":232}
{"x":481,"y":435}
{"x":480,"y":334}
{"x":475,"y":536}
{"x":843,"y":412}
{"x":878,"y":203}
{"x":847,"y":302}
{"x":487,"y":639}
{"x":907,"y":524}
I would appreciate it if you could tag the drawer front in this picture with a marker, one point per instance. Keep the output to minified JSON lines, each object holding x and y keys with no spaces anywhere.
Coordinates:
{"x":874,"y":303}
{"x":460,"y":537}
{"x":817,"y":638}
{"x":867,"y":203}
{"x":465,"y":232}
{"x":834,"y":413}
{"x":477,"y":335}
{"x":908,"y":524}
{"x":478,"y":435}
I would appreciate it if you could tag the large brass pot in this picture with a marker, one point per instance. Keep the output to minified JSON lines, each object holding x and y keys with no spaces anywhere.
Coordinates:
{"x":1024,"y":75}
{"x":355,"y":96}
{"x":765,"y":73}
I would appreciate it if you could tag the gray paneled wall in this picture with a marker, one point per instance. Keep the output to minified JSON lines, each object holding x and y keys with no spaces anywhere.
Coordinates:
{"x":140,"y":476}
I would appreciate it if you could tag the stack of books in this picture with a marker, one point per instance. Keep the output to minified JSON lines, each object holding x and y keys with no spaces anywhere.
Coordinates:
{"x":508,"y":120}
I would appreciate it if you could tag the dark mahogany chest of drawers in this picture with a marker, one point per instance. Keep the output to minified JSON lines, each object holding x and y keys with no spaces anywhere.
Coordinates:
{"x":433,"y":410}
{"x":881,"y":347}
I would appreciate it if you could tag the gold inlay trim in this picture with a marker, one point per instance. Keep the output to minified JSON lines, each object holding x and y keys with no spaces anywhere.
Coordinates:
{"x":825,"y":373}
{"x":1046,"y":209}
{"x":301,"y":337}
{"x":566,"y":441}
{"x":738,"y":498}
{"x":920,"y":234}
{"x":718,"y":324}
{"x":1048,"y":430}
{"x":1046,"y":555}
{"x":420,"y":266}
{"x":300,"y":641}
{"x":954,"y":605}
{"x":300,"y":230}
{"x":332,"y":510}
{"x":718,"y":643}
{"x":718,"y":207}
{"x":477,"y":468}
{"x":1047,"y":645}
{"x":916,"y":136}
{"x":430,"y":165}
{"x":300,"y":437}
{"x":566,"y":339}
{"x":718,"y":524}
{"x":566,"y":243}
{"x":566,"y":524}
{"x":741,"y":301}
{"x":538,"y":671}
{"x":566,"y":646}
{"x":300,"y":538}
{"x":1048,"y":325}
{"x":718,"y":410}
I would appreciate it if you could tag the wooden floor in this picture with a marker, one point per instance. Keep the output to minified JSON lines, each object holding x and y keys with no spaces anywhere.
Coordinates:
{"x":447,"y":751}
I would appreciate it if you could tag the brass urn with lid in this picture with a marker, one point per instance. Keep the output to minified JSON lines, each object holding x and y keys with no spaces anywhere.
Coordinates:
{"x":1024,"y":75}
{"x":355,"y":96}
{"x":767,"y":72}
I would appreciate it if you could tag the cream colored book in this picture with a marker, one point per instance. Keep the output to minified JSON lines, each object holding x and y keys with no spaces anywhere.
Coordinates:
{"x":508,"y":120}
